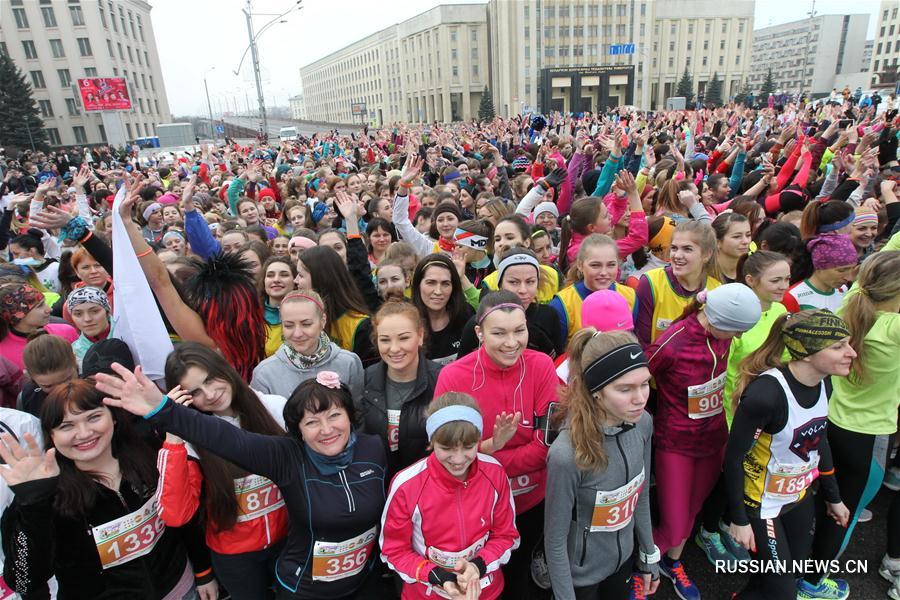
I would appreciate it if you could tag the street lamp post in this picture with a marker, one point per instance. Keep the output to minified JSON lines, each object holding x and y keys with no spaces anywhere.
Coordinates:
{"x":254,"y":53}
{"x":212,"y":124}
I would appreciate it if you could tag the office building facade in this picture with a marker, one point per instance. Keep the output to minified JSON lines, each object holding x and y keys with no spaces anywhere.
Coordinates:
{"x":886,"y":46}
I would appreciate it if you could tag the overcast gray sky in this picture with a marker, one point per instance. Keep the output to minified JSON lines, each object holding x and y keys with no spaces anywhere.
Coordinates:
{"x":194,"y":36}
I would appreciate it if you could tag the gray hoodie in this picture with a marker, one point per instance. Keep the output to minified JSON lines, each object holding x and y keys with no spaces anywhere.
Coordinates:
{"x":577,"y":556}
{"x":278,"y":375}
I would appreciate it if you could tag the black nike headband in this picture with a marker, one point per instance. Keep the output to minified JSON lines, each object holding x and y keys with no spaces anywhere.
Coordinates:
{"x":613,"y":365}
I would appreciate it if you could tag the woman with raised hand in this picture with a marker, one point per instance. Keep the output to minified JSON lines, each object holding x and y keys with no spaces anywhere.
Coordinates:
{"x":306,"y":350}
{"x":777,"y":447}
{"x":331,"y":478}
{"x":508,"y":379}
{"x":447,"y":215}
{"x":598,"y":473}
{"x":87,"y":510}
{"x":449,"y":524}
{"x":245,"y":515}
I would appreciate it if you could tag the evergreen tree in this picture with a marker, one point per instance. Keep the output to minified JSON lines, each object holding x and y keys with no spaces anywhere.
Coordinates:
{"x":685,"y":87}
{"x":714,"y":90}
{"x":768,"y":85}
{"x":744,"y":94}
{"x":20,"y":121}
{"x":486,"y":107}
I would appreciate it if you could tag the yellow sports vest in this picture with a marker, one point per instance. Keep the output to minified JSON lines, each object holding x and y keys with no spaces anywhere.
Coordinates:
{"x":343,"y":331}
{"x":547,"y":287}
{"x":571,"y":301}
{"x":667,"y":304}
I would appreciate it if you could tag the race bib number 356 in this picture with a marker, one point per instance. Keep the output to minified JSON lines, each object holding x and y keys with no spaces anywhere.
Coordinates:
{"x":129,"y":537}
{"x":338,"y":560}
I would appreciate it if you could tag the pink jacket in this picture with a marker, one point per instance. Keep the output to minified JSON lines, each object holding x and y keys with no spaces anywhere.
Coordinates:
{"x":433,"y":519}
{"x":527,"y":387}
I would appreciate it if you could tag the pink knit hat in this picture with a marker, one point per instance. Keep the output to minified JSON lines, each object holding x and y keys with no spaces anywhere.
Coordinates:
{"x":168,"y":198}
{"x":606,"y":310}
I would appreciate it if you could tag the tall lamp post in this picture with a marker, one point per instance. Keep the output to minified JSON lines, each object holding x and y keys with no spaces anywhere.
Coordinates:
{"x":212,"y":124}
{"x":254,"y":52}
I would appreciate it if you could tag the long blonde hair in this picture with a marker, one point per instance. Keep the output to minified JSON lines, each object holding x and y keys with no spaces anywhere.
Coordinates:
{"x":594,"y":240}
{"x":585,"y":413}
{"x":877,"y":282}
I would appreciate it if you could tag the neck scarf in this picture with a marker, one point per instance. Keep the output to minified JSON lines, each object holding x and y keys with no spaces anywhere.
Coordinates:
{"x":330,"y":465}
{"x":302,"y":361}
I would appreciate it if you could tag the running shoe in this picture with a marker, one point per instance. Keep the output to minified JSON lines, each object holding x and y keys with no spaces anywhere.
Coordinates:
{"x":890,"y":568}
{"x":712,"y":546}
{"x":864,"y":516}
{"x":827,"y":589}
{"x":892,"y":479}
{"x":637,"y":591}
{"x":738,"y":551}
{"x":684,"y":587}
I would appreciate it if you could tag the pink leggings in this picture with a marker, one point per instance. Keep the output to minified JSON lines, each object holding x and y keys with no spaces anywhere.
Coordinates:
{"x":682,"y":485}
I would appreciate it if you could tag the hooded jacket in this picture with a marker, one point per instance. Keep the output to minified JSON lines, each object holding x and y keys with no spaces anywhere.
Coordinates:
{"x":279,"y":376}
{"x":581,"y":550}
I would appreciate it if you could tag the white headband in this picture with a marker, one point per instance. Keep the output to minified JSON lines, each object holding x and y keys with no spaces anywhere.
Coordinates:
{"x":452,"y":413}
{"x":516,"y":259}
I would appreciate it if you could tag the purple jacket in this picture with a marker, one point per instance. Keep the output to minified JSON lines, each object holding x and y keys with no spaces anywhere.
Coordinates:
{"x":686,"y":355}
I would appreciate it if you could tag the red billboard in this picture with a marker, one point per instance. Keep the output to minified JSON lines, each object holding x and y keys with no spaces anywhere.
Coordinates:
{"x":104,"y":93}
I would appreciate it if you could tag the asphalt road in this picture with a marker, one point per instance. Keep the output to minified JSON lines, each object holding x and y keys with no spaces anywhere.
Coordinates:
{"x":868,"y":544}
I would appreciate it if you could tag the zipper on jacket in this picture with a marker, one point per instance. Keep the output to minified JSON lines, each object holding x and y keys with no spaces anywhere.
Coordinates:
{"x":627,"y":479}
{"x":351,"y":503}
{"x":584,"y":536}
{"x":460,"y":519}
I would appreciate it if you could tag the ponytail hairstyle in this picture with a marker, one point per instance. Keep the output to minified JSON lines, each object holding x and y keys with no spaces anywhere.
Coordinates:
{"x":667,"y":198}
{"x":583,"y":213}
{"x":595,"y":240}
{"x":818,"y":214}
{"x":219,"y":474}
{"x":756,"y":263}
{"x":585,"y":414}
{"x":30,"y":240}
{"x":877,"y":282}
{"x":770,"y":355}
{"x":704,"y":236}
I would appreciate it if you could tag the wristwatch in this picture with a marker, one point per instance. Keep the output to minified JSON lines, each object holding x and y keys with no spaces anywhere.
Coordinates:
{"x":650,"y":559}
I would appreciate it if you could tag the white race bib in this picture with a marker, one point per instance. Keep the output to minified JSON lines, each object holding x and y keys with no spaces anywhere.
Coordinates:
{"x":130,"y":536}
{"x":393,"y":429}
{"x":339,"y":560}
{"x":256,"y":496}
{"x":613,"y":510}
{"x":705,"y":400}
{"x":788,"y":481}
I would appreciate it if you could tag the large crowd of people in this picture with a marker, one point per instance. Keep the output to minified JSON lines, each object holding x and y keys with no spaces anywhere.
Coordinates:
{"x":514,"y":358}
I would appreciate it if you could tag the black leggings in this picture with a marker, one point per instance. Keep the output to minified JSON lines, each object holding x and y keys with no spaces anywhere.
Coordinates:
{"x":518,"y":584}
{"x":615,"y":587}
{"x":859,"y":460}
{"x":785,"y":538}
{"x":715,"y":507}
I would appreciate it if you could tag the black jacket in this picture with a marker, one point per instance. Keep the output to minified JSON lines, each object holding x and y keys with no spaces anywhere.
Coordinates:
{"x":323,"y":508}
{"x":543,"y":332}
{"x":413,"y":441}
{"x":40,"y":543}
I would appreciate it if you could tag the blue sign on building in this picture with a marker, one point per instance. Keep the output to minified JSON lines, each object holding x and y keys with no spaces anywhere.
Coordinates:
{"x":220,"y":129}
{"x":615,"y":49}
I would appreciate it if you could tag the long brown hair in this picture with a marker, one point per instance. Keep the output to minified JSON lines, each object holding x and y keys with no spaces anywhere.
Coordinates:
{"x":877,"y":282}
{"x":585,"y":414}
{"x":219,"y":474}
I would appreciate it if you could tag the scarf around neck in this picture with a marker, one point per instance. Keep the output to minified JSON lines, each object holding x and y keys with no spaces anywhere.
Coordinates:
{"x":302,"y":361}
{"x":330,"y":465}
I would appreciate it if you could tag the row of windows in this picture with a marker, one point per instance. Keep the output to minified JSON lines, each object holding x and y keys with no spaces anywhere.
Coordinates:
{"x":563,"y":12}
{"x":887,"y":48}
{"x":46,"y":107}
{"x":48,"y":15}
{"x":115,"y":26}
{"x":131,"y":55}
{"x":704,"y":61}
{"x":885,"y":16}
{"x":81,"y":134}
{"x":56,"y":47}
{"x":707,"y":27}
{"x":887,"y":63}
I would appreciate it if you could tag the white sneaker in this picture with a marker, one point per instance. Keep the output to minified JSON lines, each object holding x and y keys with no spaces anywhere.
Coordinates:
{"x":865,"y":516}
{"x":890,"y":570}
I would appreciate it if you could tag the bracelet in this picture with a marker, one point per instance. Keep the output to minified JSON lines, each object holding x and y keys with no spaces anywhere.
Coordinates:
{"x":89,"y":235}
{"x":405,"y":185}
{"x":650,"y":559}
{"x":144,"y":253}
{"x":419,"y":570}
{"x":354,"y":236}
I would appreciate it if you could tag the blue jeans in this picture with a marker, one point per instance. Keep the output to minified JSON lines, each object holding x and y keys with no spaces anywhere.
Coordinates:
{"x":247,"y":576}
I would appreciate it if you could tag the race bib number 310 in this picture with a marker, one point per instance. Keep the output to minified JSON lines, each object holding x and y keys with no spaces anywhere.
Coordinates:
{"x":129,"y":537}
{"x":339,"y":560}
{"x":613,"y":510}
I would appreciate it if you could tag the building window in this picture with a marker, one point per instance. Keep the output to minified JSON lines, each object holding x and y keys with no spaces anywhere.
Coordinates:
{"x":708,"y":26}
{"x":48,"y":16}
{"x":549,"y":51}
{"x":21,"y":18}
{"x":740,"y":27}
{"x":721,"y":61}
{"x":620,"y":10}
{"x":475,"y":53}
{"x":56,"y":46}
{"x":46,"y":108}
{"x":156,"y":106}
{"x":607,"y":31}
{"x":80,"y":135}
{"x":740,"y":44}
{"x":578,"y":50}
{"x":109,"y":47}
{"x":527,"y":52}
{"x":146,"y":58}
{"x":643,"y":9}
{"x":549,"y":12}
{"x":455,"y":71}
{"x":579,"y":11}
{"x":143,"y":81}
{"x":672,"y":28}
{"x":688,"y":61}
{"x":77,"y":16}
{"x":84,"y":47}
{"x":52,"y":136}
{"x":128,"y":128}
{"x":474,"y":70}
{"x":549,"y":32}
{"x":112,"y":17}
{"x":671,"y":62}
{"x":593,"y":30}
{"x":725,"y":27}
{"x":721,"y":44}
{"x":563,"y":12}
{"x":690,"y":29}
{"x":141,"y":104}
{"x":564,"y":51}
{"x":578,"y":31}
{"x":102,"y":16}
{"x":65,"y":78}
{"x":564,"y":31}
{"x":90,"y":72}
{"x":453,"y":54}
{"x":527,"y":11}
{"x":37,"y":80}
{"x":527,"y":31}
{"x":737,"y":59}
{"x":152,"y":87}
{"x":705,"y":60}
{"x":706,"y":44}
{"x":620,"y":30}
{"x":453,"y":36}
{"x":474,"y":35}
{"x":72,"y":107}
{"x":130,"y":55}
{"x":671,"y":46}
{"x":141,"y":32}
